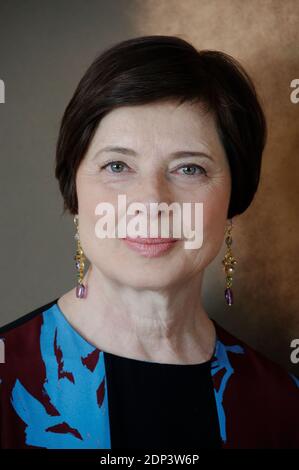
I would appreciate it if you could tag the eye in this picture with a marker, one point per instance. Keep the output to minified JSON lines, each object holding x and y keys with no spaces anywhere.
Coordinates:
{"x":193,"y":170}
{"x":115,"y":166}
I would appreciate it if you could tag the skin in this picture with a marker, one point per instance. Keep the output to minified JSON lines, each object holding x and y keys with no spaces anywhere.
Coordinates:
{"x":150,"y":308}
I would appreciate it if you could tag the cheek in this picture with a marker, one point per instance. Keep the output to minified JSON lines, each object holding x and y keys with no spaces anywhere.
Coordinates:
{"x":89,"y":196}
{"x":215,"y":200}
{"x":91,"y":193}
{"x":215,"y":208}
{"x":214,"y":221}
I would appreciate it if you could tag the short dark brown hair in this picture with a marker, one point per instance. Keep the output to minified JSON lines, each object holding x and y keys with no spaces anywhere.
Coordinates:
{"x":156,"y":68}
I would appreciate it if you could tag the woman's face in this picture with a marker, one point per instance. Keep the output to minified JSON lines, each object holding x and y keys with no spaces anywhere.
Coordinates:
{"x":155,"y":172}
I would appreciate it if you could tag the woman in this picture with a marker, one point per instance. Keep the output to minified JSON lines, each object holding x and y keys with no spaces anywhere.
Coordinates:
{"x":129,"y":358}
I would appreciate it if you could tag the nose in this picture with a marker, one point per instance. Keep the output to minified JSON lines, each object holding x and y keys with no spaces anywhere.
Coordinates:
{"x":150,"y":192}
{"x":143,"y":199}
{"x":152,"y":189}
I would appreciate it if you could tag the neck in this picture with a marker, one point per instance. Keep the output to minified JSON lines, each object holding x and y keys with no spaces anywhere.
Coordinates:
{"x":167,"y":325}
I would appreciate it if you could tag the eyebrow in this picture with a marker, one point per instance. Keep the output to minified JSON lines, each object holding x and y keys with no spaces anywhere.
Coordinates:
{"x":128,"y":151}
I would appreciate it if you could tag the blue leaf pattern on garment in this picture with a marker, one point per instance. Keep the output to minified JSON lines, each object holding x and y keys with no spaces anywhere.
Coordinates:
{"x":296,"y":379}
{"x":72,"y":389}
{"x":221,"y":362}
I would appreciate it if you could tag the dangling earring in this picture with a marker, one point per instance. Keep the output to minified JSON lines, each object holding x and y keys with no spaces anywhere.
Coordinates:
{"x":81,"y":289}
{"x":229,"y":262}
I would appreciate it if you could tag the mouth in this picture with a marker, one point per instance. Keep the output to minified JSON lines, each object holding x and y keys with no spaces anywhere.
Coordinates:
{"x":148,"y":241}
{"x":150,"y":247}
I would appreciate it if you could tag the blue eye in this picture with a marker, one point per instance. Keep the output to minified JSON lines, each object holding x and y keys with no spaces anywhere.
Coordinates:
{"x":116,"y":167}
{"x":193,"y":169}
{"x":188,"y":170}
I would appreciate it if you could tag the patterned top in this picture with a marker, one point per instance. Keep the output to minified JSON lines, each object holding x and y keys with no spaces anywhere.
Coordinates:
{"x":59,"y":391}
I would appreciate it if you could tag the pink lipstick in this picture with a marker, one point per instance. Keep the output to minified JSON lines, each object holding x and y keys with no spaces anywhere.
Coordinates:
{"x":150,"y":247}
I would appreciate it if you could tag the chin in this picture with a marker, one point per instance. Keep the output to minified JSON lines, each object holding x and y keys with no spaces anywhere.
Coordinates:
{"x":148,"y":279}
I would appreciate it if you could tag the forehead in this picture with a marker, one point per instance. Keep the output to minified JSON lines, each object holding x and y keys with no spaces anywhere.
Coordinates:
{"x":152,"y":115}
{"x":164,"y":124}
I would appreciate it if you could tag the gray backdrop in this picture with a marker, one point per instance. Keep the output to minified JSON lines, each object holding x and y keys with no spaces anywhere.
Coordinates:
{"x":45,"y":47}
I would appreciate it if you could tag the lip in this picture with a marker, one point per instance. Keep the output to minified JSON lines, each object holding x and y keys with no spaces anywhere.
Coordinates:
{"x":150,"y":247}
{"x":151,"y":241}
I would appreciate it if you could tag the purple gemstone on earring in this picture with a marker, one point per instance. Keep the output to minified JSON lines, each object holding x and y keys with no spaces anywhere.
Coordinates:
{"x":81,"y":291}
{"x":228,"y":293}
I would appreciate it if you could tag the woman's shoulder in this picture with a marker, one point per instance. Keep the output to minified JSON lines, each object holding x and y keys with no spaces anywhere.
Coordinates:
{"x":21,"y":336}
{"x":26,"y":318}
{"x":252,"y":366}
{"x":258,"y":398}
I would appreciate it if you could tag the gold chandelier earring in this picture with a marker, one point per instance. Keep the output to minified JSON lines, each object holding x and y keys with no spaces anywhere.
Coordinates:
{"x":229,"y":263}
{"x":81,"y":289}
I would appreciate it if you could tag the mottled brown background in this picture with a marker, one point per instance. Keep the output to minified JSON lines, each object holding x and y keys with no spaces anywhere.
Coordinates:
{"x":45,"y":49}
{"x":264,"y":37}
